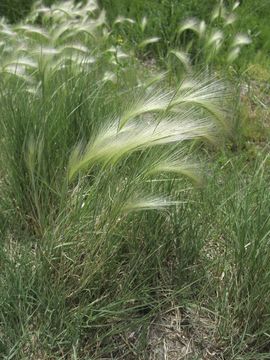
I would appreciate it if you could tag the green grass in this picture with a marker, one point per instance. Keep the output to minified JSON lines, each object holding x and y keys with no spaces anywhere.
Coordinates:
{"x":129,"y":191}
{"x":239,"y":232}
{"x":15,"y":9}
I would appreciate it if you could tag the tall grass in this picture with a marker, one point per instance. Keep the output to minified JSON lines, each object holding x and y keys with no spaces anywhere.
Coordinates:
{"x":104,"y":221}
{"x":87,"y":143}
{"x":62,"y":97}
{"x":238,"y":255}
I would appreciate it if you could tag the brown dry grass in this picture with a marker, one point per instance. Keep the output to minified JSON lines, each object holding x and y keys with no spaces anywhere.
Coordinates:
{"x":188,"y":335}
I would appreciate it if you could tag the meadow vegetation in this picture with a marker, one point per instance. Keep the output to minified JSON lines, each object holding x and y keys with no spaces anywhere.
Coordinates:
{"x":134,"y":173}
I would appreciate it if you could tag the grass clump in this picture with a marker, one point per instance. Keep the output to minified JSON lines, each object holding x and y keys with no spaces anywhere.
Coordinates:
{"x":85,"y":147}
{"x":104,"y":221}
{"x":237,"y":254}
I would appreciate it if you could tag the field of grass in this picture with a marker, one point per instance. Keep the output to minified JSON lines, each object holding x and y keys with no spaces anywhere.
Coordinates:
{"x":134,"y":173}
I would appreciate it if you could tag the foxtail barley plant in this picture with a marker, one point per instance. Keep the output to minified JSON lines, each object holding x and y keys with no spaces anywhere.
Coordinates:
{"x":102,"y":225}
{"x":70,"y":124}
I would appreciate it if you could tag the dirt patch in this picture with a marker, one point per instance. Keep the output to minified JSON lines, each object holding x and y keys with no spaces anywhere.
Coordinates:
{"x":188,"y":335}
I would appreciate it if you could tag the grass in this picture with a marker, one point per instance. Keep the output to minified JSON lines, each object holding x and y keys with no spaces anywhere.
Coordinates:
{"x":131,"y":194}
{"x":242,"y":218}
